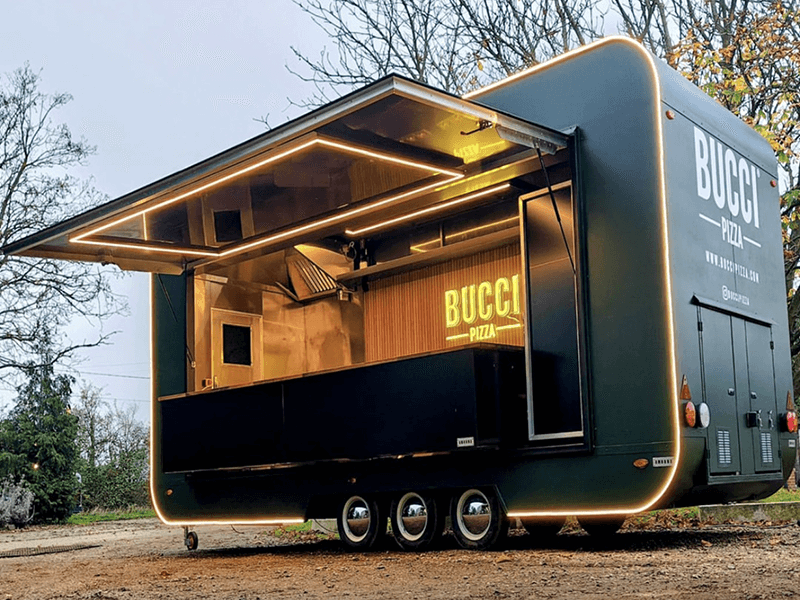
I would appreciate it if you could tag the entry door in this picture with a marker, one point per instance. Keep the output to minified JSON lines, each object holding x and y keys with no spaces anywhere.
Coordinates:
{"x":721,"y":394}
{"x":235,"y":347}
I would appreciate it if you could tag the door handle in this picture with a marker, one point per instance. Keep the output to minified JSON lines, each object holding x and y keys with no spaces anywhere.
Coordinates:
{"x":753,"y":418}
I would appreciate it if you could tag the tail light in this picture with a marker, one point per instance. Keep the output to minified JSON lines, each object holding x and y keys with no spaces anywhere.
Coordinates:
{"x":693,"y":416}
{"x":790,"y":421}
{"x":790,"y":418}
{"x":690,"y":414}
{"x":689,"y":411}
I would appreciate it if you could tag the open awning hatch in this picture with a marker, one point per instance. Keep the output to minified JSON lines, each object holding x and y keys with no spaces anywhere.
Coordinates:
{"x":390,"y":147}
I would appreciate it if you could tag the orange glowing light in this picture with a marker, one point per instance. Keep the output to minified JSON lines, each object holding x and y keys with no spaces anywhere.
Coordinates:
{"x":690,"y":414}
{"x":420,"y":247}
{"x":686,"y":393}
{"x":791,"y":422}
{"x":430,"y":209}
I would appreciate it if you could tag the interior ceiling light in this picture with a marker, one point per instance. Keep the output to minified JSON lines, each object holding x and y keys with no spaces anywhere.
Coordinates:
{"x":452,"y":175}
{"x":422,"y":245}
{"x":132,"y":246}
{"x":430,"y":209}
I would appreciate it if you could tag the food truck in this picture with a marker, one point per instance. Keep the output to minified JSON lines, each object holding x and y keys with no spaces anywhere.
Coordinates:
{"x":562,"y":294}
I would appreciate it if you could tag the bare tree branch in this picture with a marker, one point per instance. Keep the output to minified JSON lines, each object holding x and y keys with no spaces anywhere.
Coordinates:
{"x":36,"y":190}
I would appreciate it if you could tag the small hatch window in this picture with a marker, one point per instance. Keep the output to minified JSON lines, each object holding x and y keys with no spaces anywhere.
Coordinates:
{"x":227,"y":225}
{"x":236,"y":345}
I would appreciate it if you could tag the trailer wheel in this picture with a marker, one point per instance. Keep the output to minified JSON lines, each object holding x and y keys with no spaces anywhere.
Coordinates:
{"x":191,"y":541}
{"x":478,"y":520}
{"x":601,"y":527}
{"x":360,"y":523}
{"x":415,"y":521}
{"x":543,"y":528}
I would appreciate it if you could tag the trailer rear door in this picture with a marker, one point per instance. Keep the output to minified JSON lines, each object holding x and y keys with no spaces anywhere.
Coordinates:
{"x":739,"y":387}
{"x":763,"y":422}
{"x":719,"y":387}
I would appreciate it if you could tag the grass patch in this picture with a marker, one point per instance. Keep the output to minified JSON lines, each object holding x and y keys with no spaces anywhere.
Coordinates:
{"x":301,"y":532}
{"x":689,"y":516}
{"x":671,"y":517}
{"x":300,"y":527}
{"x":94,"y":516}
{"x":783,"y":495}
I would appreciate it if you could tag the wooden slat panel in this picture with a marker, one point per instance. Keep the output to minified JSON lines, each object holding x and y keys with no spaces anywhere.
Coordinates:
{"x":407,"y":313}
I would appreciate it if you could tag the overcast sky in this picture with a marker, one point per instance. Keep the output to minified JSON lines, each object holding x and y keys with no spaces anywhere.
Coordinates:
{"x":157,"y":86}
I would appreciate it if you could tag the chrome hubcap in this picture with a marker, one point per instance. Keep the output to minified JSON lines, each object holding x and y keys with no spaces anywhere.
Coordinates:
{"x":412,"y":516}
{"x":474,"y":513}
{"x":357,"y":518}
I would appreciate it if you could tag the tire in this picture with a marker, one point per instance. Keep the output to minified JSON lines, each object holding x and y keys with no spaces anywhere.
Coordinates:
{"x":601,"y":527}
{"x":360,"y":522}
{"x":478,"y":520}
{"x":191,"y":541}
{"x":543,"y":528}
{"x":415,"y":521}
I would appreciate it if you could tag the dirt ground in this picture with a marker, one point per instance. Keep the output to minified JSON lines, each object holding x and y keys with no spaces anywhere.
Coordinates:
{"x":143,"y":560}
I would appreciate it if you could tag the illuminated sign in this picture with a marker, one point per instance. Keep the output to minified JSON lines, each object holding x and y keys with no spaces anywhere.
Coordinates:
{"x":480,"y":305}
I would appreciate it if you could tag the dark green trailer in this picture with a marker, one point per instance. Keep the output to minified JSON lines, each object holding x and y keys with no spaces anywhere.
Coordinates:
{"x":560,"y":295}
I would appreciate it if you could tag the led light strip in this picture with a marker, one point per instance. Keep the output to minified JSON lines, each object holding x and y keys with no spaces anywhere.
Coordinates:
{"x":337,"y":218}
{"x":434,"y":170}
{"x":430,"y":209}
{"x":419,"y":247}
{"x":673,"y":361}
{"x":150,"y":247}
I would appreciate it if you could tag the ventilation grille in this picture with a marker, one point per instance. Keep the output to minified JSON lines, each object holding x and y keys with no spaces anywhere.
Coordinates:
{"x":308,"y":280}
{"x":724,"y":446}
{"x":766,"y":448}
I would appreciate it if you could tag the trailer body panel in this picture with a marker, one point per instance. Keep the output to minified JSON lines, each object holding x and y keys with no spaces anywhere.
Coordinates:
{"x":518,"y":292}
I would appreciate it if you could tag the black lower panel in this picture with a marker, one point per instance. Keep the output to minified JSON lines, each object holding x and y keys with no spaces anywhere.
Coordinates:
{"x":418,"y":404}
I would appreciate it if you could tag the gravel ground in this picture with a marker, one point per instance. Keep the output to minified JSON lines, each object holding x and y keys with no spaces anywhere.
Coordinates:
{"x":144,"y":559}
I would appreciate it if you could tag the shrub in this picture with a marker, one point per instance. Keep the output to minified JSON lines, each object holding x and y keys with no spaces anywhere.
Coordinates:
{"x":16,"y":503}
{"x":117,"y":485}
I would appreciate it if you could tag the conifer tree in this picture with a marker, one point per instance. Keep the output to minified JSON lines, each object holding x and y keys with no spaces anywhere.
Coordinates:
{"x":38,"y":439}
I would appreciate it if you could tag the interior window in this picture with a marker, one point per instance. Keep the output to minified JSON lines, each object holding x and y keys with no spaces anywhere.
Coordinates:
{"x":235,"y":345}
{"x":555,"y":381}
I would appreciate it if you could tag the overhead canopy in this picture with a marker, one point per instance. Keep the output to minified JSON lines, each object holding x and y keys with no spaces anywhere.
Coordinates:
{"x":389,"y":147}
